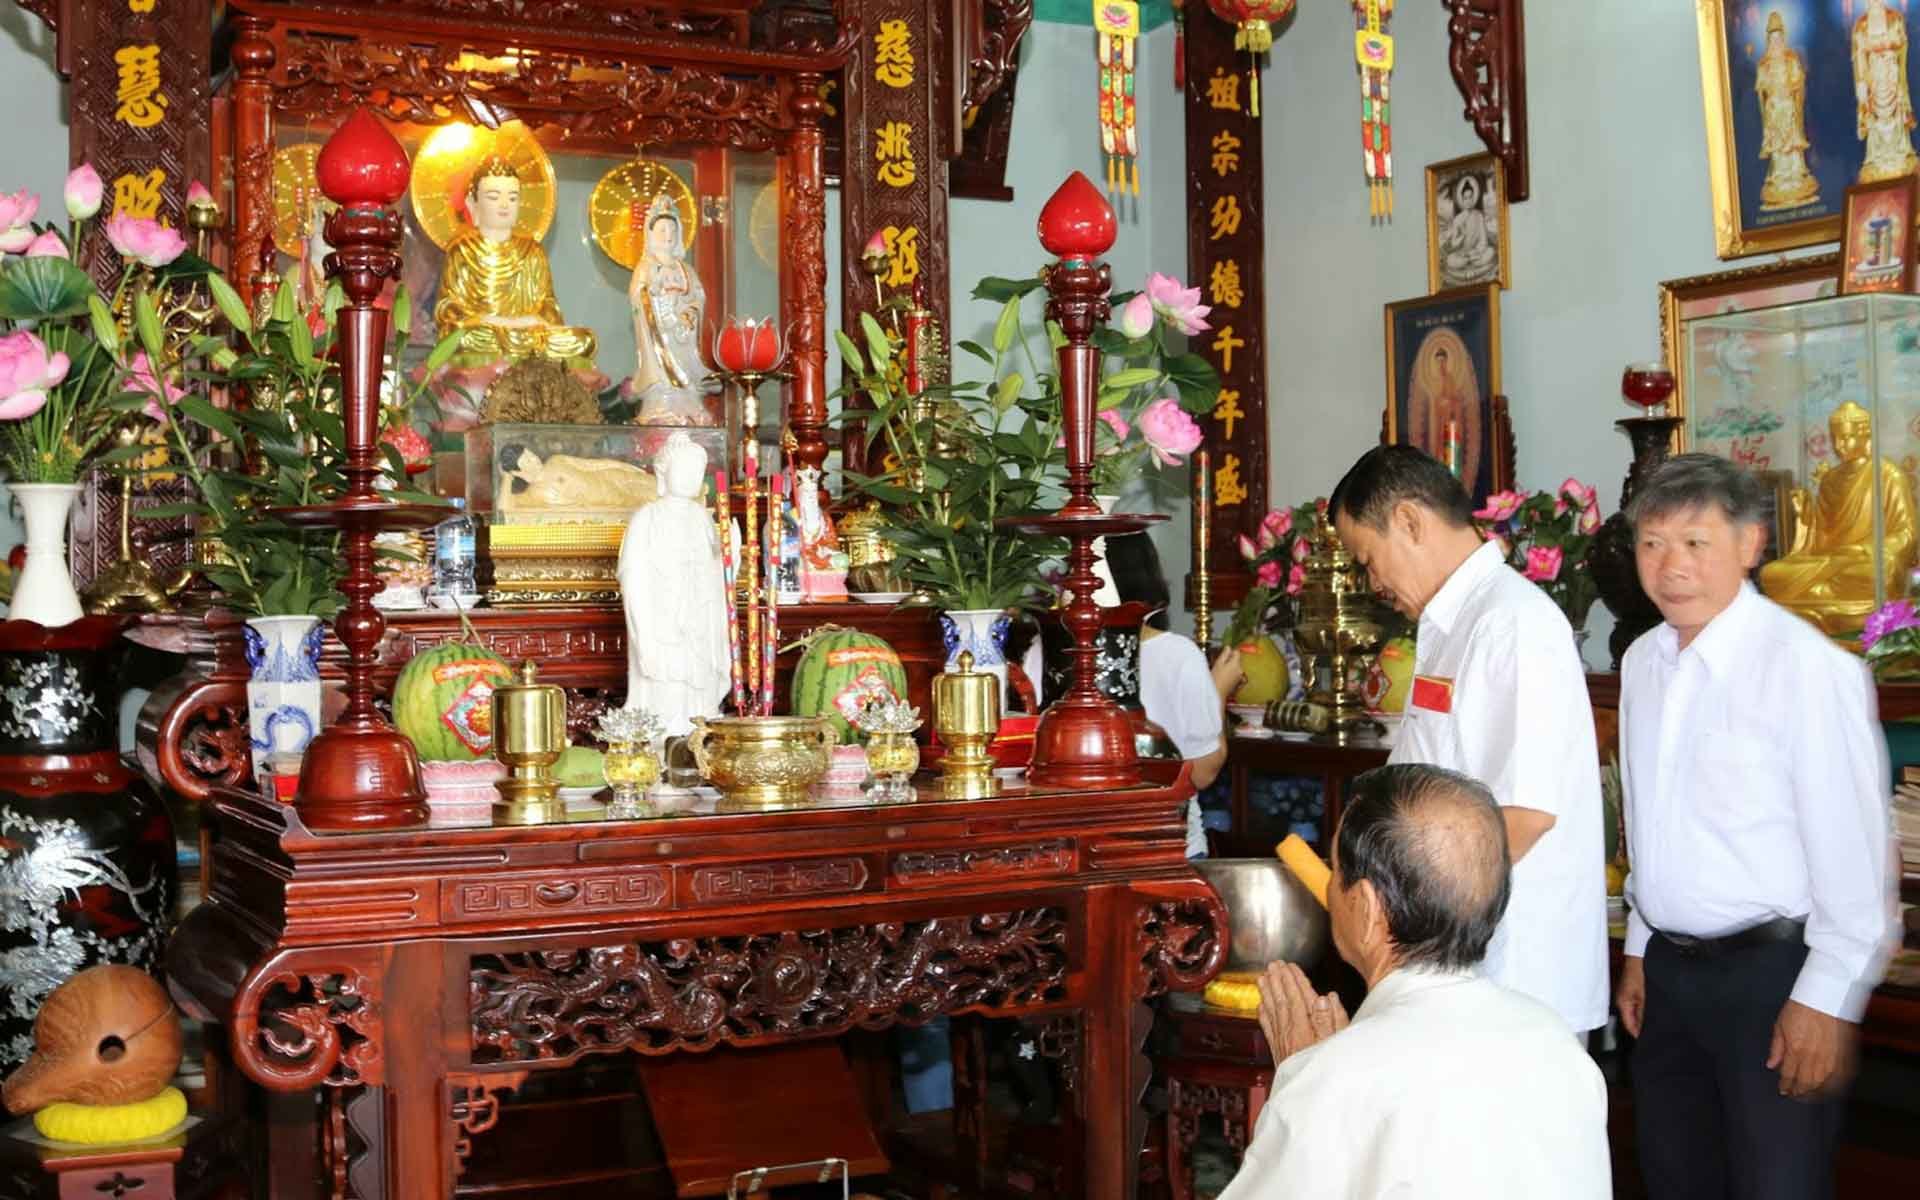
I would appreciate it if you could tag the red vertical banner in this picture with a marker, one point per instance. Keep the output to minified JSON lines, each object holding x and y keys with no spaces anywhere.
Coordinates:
{"x":1226,"y":258}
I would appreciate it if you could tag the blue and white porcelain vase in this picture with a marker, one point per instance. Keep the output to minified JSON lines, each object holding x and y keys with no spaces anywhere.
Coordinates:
{"x":981,"y":632}
{"x":283,"y":696}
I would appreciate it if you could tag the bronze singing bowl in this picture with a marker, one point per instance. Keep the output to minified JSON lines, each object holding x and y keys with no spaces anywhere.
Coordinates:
{"x":1271,"y":916}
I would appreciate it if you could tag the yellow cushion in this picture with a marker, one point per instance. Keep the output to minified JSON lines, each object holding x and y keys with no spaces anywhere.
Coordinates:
{"x":108,"y":1124}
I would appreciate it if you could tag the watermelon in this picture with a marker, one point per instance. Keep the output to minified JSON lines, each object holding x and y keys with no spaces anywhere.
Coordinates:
{"x":837,"y":673}
{"x":443,"y":701}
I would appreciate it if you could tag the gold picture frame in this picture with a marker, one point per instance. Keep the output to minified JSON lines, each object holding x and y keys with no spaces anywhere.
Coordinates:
{"x":1489,"y":178}
{"x":1739,"y":290}
{"x":1463,"y":327}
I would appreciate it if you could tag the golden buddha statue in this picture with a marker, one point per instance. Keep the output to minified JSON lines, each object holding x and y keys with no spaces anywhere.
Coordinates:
{"x":1827,"y":574}
{"x":497,"y":288}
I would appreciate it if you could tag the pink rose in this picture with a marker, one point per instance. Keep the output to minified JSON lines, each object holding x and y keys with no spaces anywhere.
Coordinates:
{"x":141,"y":379}
{"x":1579,"y":493}
{"x":1302,"y":550}
{"x":198,"y":196}
{"x":1589,"y":521}
{"x":16,"y":220}
{"x":1279,"y":521}
{"x":26,"y":372}
{"x":1136,"y":316}
{"x":1267,"y":540}
{"x":1180,"y":306}
{"x":1247,"y":548}
{"x":1500,"y":506}
{"x":1543,"y":563}
{"x":1170,"y":433}
{"x":1297,"y":579}
{"x":47,"y":245}
{"x":83,"y":192}
{"x":1268,"y":575}
{"x":144,"y":240}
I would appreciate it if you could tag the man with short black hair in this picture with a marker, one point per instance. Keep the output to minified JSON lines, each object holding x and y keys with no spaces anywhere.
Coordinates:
{"x":1444,"y":1084}
{"x":1499,"y":694}
{"x":1762,"y":887}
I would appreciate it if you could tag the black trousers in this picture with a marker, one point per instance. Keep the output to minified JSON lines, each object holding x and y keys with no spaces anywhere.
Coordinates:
{"x":1708,"y":1114}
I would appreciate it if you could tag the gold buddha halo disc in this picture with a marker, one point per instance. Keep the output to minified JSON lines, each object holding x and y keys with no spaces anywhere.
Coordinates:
{"x":444,"y":166}
{"x":295,"y":189}
{"x":763,"y":225}
{"x":618,"y":207}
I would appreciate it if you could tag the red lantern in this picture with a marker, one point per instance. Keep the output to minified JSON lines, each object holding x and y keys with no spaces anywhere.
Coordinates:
{"x":1253,"y":21}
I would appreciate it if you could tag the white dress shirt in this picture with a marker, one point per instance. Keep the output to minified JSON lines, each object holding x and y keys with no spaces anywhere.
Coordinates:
{"x":1520,"y":722}
{"x":1445,"y":1085}
{"x":1757,"y":787}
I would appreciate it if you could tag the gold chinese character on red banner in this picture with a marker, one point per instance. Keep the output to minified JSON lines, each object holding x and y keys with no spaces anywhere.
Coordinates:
{"x":140,"y":6}
{"x":1226,"y":152}
{"x":1223,"y":90}
{"x":893,"y":54}
{"x":138,"y":195}
{"x":141,"y":102}
{"x":1224,"y":217}
{"x":1224,"y":344}
{"x":893,"y":148}
{"x":1223,"y":288}
{"x":903,"y":255}
{"x":1226,"y":410}
{"x":1228,"y":488}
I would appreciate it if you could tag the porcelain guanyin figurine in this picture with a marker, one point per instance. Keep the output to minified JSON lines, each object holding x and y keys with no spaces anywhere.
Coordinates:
{"x":823,"y":564}
{"x":673,"y":588}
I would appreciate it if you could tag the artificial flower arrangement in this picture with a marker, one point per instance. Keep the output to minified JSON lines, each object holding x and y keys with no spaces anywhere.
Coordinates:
{"x":1546,"y":536}
{"x":1277,"y":555}
{"x":1891,"y":640}
{"x":994,"y":448}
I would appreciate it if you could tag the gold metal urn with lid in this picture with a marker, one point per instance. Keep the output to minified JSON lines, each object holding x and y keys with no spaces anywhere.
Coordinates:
{"x":966,"y":715}
{"x":1339,"y":628}
{"x":529,"y":735}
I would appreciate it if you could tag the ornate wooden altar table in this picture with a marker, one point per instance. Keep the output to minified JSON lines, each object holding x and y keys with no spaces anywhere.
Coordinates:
{"x":426,"y":971}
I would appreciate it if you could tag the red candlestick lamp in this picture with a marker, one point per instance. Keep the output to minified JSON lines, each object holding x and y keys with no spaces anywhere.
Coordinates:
{"x":1084,"y":739}
{"x":359,"y":772}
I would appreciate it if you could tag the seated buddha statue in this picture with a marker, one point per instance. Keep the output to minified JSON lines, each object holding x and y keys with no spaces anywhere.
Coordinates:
{"x":497,"y":288}
{"x":1827,"y":574}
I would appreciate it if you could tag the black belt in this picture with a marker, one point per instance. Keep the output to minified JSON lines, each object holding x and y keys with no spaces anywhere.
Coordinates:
{"x":1780,"y":929}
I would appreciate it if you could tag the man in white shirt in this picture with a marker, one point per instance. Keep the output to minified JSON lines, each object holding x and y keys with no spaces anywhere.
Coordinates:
{"x":1761,"y":888}
{"x":1444,"y":1084}
{"x":1499,"y":694}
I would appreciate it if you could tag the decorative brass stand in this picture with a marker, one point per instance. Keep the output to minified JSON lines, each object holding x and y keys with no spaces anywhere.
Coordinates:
{"x":1338,"y":628}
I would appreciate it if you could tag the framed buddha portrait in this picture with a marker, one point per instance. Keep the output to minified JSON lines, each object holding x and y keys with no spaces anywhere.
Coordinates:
{"x":1443,"y":374}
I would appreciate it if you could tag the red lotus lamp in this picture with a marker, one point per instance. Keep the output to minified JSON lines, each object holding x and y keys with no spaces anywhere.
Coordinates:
{"x":748,"y":344}
{"x":1077,"y":222}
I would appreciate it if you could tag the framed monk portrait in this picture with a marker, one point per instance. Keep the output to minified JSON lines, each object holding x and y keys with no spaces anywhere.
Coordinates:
{"x":1443,"y":377}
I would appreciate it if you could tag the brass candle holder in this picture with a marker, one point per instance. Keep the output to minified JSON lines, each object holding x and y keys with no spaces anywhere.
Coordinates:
{"x":966,"y":715}
{"x":529,"y":735}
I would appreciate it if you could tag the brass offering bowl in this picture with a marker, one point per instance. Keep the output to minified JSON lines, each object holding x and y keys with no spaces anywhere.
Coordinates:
{"x":762,"y":762}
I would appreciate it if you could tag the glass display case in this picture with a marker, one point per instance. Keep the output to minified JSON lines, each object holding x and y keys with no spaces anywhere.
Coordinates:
{"x":1822,"y":400}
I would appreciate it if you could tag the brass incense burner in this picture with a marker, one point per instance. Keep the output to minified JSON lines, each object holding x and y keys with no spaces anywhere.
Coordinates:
{"x":1338,"y":630}
{"x":966,"y":715}
{"x":529,"y":735}
{"x":762,"y":762}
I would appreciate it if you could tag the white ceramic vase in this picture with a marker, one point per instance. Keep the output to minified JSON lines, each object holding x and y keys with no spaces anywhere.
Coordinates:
{"x":283,"y":695}
{"x":44,"y":592}
{"x":983,"y":633}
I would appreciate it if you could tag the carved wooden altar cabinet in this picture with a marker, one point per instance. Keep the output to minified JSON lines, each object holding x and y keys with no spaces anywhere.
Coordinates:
{"x":424,"y":972}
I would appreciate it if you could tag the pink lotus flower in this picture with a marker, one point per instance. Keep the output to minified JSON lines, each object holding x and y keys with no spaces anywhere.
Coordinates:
{"x":1268,"y":575}
{"x":1180,"y":306}
{"x":1170,"y":433}
{"x":141,"y":379}
{"x":1247,"y":549}
{"x":876,"y":245}
{"x":1278,"y":521}
{"x":16,"y":220}
{"x":1136,"y":316}
{"x":144,"y":240}
{"x":1117,"y":423}
{"x":1543,"y":563}
{"x":1500,"y":506}
{"x":1297,"y":579}
{"x":1589,"y":522}
{"x":1267,"y":539}
{"x":1302,"y":550}
{"x":1890,"y":618}
{"x":83,"y":192}
{"x":1579,"y":493}
{"x":27,"y":371}
{"x":198,"y":196}
{"x":47,"y":245}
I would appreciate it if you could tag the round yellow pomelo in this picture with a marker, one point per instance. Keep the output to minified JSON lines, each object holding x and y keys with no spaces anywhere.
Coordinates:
{"x":1391,"y":676}
{"x":1265,"y":667}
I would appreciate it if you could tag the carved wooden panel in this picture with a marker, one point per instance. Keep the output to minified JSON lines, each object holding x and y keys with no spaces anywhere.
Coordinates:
{"x":1182,"y":943}
{"x":1487,"y":55}
{"x":751,"y":883}
{"x":1226,"y":259}
{"x":721,"y":23}
{"x":538,"y":895}
{"x":980,"y":172}
{"x":921,"y":868}
{"x":298,"y":1027}
{"x":698,"y":992}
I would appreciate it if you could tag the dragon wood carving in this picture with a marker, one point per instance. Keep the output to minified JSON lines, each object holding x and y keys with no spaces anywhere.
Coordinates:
{"x":1182,"y":944}
{"x":1487,"y":56}
{"x":696,"y":993}
{"x":295,"y":1030}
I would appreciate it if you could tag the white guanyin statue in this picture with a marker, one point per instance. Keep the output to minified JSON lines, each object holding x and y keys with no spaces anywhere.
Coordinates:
{"x":669,"y":378}
{"x":672,"y":585}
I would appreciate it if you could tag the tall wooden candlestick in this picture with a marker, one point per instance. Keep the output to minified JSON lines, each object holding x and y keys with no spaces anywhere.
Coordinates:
{"x":360,"y":772}
{"x":1084,"y":739}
